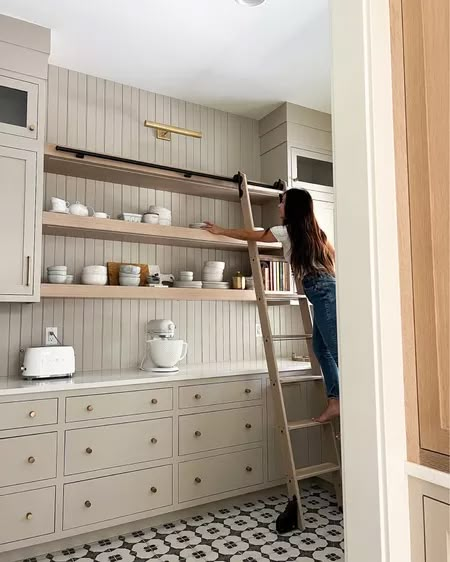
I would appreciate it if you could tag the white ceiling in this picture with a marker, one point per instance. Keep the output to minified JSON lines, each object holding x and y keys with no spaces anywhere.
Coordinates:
{"x":213,"y":52}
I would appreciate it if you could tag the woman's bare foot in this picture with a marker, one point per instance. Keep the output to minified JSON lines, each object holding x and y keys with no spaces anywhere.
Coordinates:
{"x":332,"y":411}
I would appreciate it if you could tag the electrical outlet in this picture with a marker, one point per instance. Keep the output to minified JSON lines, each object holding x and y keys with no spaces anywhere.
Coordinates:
{"x":258,"y":331}
{"x":50,"y":336}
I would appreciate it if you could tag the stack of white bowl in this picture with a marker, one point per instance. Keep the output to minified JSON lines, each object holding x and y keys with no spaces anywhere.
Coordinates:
{"x":212,"y":275}
{"x":94,"y":275}
{"x":186,"y":281}
{"x":58,"y":274}
{"x":165,"y":215}
{"x":129,"y":275}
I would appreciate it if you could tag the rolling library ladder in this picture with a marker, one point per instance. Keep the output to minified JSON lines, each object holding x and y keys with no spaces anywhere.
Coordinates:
{"x":293,"y":514}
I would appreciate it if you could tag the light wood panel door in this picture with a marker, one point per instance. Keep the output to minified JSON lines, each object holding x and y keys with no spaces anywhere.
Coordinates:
{"x":17,"y":204}
{"x":426,"y":60}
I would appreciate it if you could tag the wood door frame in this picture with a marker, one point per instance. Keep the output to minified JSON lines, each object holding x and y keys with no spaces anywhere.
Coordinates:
{"x":368,"y":272}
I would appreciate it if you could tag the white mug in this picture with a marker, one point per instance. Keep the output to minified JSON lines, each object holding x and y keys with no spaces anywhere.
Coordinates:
{"x":59,"y":205}
{"x":166,"y":353}
{"x":101,"y":215}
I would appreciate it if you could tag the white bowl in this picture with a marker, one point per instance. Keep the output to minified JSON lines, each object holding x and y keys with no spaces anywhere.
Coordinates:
{"x":57,"y":269}
{"x":129,"y":282}
{"x":165,"y":222}
{"x":135,"y":269}
{"x":69,"y":279}
{"x":131,"y":217}
{"x":212,"y":271}
{"x":216,"y":264}
{"x":150,"y":218}
{"x":97,"y":269}
{"x":212,"y":279}
{"x":94,"y":279}
{"x":161,"y":211}
{"x":56,"y":278}
{"x":130,"y":275}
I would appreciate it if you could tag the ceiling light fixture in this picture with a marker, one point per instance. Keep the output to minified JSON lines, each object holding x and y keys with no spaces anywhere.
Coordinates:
{"x":250,"y":3}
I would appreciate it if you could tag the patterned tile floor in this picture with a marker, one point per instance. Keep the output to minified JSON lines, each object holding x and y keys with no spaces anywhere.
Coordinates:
{"x":242,"y":532}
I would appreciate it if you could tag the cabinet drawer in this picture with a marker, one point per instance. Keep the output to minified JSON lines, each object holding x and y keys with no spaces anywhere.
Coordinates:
{"x":219,"y":393}
{"x":29,"y":413}
{"x":206,"y":477}
{"x":117,"y":445}
{"x":29,"y":514}
{"x":92,"y":407}
{"x":27,"y":459}
{"x":214,"y":430}
{"x":437,"y":529}
{"x":102,"y":499}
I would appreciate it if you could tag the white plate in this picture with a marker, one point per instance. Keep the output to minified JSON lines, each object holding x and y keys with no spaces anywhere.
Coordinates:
{"x":197,"y":225}
{"x":216,"y":285}
{"x":188,"y":284}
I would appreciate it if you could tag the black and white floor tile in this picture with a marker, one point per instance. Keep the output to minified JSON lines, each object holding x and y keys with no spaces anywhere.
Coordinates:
{"x":242,"y":532}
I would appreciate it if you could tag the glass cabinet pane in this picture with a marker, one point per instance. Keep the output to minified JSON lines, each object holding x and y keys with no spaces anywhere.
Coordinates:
{"x":310,"y":170}
{"x":13,"y":106}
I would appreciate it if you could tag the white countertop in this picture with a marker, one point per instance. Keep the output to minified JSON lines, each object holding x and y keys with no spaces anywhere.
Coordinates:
{"x":111,"y":378}
{"x":428,"y":474}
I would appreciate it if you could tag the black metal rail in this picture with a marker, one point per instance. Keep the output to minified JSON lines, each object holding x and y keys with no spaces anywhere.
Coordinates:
{"x":79,"y":153}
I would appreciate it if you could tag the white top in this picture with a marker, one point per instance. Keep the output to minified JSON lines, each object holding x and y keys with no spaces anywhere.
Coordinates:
{"x":117,"y":377}
{"x":281,"y":234}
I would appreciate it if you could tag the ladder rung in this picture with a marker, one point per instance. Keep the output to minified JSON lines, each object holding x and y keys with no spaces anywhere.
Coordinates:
{"x":291,"y":337}
{"x":295,"y":379}
{"x":278,"y":296}
{"x":303,"y":424}
{"x":316,"y":470}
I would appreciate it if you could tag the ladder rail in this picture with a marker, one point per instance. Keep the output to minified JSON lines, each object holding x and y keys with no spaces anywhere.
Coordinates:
{"x":272,"y":365}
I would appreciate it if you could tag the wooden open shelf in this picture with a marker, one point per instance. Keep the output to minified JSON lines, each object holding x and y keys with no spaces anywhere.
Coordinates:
{"x":111,"y":229}
{"x":116,"y":292}
{"x":113,"y":171}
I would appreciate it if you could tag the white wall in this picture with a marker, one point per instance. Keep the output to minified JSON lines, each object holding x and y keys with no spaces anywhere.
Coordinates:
{"x":95,"y":114}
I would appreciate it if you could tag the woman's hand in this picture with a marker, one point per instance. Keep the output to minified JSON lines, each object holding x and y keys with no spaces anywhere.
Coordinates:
{"x":213,"y":228}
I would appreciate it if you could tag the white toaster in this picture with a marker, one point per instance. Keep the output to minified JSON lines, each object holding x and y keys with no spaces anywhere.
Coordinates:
{"x":48,"y":362}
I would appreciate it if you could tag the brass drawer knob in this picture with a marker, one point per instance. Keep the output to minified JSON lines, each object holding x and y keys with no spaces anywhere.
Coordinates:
{"x":29,"y":516}
{"x":197,"y":433}
{"x":197,"y":480}
{"x":31,"y":460}
{"x":153,"y":490}
{"x":248,"y":425}
{"x":32,"y":414}
{"x":197,"y":396}
{"x":248,"y":390}
{"x":248,"y":468}
{"x":154,"y":401}
{"x":88,"y":450}
{"x":153,"y":440}
{"x":89,"y":407}
{"x":87,"y":503}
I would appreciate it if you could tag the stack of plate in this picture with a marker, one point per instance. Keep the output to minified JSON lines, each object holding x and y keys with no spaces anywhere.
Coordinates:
{"x":165,"y":215}
{"x":197,"y":225}
{"x":215,"y":285}
{"x":213,"y":271}
{"x":188,"y":284}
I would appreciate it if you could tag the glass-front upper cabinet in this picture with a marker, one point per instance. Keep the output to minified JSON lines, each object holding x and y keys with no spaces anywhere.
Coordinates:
{"x":18,"y":107}
{"x":311,"y":170}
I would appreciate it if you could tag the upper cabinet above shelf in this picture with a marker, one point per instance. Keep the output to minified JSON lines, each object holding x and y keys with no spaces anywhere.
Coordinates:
{"x":114,"y":169}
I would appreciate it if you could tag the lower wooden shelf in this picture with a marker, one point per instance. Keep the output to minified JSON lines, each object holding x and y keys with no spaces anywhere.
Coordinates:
{"x":116,"y":292}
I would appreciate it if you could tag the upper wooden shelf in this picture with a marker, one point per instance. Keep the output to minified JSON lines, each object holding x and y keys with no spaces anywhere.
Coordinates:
{"x":111,"y":229}
{"x":116,"y":292}
{"x":113,"y":169}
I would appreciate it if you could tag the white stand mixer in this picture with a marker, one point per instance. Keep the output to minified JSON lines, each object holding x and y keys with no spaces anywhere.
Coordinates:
{"x":163,"y":350}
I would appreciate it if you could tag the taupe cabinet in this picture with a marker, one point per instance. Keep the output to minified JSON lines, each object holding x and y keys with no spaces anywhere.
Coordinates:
{"x":24,"y":52}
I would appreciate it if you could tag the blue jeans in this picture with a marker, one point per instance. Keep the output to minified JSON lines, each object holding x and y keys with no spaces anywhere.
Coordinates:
{"x":321,"y":292}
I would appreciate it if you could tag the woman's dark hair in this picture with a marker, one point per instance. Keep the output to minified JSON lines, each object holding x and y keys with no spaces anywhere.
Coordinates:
{"x":310,"y":250}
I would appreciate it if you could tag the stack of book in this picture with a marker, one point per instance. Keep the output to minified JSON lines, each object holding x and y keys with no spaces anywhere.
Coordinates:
{"x":277,"y":275}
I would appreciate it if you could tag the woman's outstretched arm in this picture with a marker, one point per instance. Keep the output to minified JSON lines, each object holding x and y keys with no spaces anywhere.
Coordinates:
{"x":241,"y":233}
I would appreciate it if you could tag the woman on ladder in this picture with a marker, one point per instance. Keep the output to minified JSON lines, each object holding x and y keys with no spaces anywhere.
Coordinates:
{"x":306,"y":248}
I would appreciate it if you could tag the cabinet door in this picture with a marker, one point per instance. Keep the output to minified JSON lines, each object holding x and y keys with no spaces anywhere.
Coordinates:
{"x":324,"y":211}
{"x":18,"y":107}
{"x":311,"y":170}
{"x":427,"y":73}
{"x":437,"y":530}
{"x":17,"y":204}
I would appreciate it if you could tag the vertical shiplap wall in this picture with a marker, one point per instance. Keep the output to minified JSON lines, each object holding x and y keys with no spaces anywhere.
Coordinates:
{"x":96,"y":114}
